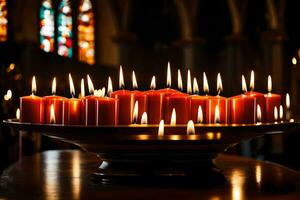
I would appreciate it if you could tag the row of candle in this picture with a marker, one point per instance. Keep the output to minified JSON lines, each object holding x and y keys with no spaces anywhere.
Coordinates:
{"x":125,"y":107}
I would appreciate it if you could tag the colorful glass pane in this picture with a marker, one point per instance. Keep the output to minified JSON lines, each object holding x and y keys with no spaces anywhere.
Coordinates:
{"x":64,"y":24}
{"x":3,"y":21}
{"x":47,"y":26}
{"x":86,"y":36}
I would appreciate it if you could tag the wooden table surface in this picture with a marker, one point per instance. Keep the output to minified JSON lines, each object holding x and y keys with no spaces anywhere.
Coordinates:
{"x":67,"y":175}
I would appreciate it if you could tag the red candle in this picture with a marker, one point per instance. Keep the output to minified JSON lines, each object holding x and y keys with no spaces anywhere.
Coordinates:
{"x":107,"y":111}
{"x":181,"y":104}
{"x":243,"y":107}
{"x":89,"y":104}
{"x":126,"y":102}
{"x":272,"y":100}
{"x":155,"y":104}
{"x":72,"y":108}
{"x":260,"y":97}
{"x":32,"y":107}
{"x":217,"y":103}
{"x":57,"y":102}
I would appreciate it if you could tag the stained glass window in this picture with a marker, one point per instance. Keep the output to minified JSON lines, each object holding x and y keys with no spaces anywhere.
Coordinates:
{"x":64,"y":24}
{"x":3,"y":21}
{"x":47,"y":26}
{"x":86,"y":37}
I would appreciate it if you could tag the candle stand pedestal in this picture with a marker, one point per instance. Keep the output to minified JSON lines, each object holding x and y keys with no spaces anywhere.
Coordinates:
{"x":136,"y":152}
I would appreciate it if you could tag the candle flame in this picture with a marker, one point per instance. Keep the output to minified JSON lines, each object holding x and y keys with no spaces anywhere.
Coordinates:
{"x":153,"y":83}
{"x":287,"y":101}
{"x":135,"y":112}
{"x":52,"y":114}
{"x":189,"y":82}
{"x":258,"y":113}
{"x":33,"y":85}
{"x":121,"y":78}
{"x":294,"y":61}
{"x":8,"y":95}
{"x":134,"y":82}
{"x":72,"y":89}
{"x":173,"y":118}
{"x":144,"y":118}
{"x":205,"y":84}
{"x":54,"y":86}
{"x":18,"y":114}
{"x":169,"y":79}
{"x":179,"y":80}
{"x":195,"y":86}
{"x":109,"y":86}
{"x":103,"y":92}
{"x":190,"y":128}
{"x":200,"y":115}
{"x":217,"y":114}
{"x":82,"y":89}
{"x":90,"y":85}
{"x":244,"y":84}
{"x":252,"y":81}
{"x":219,"y":84}
{"x":161,"y":128}
{"x":269,"y":84}
{"x":275,"y":113}
{"x":281,"y":112}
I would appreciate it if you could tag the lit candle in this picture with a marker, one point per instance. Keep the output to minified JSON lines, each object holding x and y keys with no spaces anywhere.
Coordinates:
{"x":168,"y":91}
{"x":243,"y":107}
{"x":173,"y":118}
{"x":161,"y":128}
{"x":144,"y":119}
{"x":272,"y":100}
{"x":221,"y":103}
{"x":107,"y":108}
{"x":260,"y":98}
{"x":179,"y":81}
{"x":135,"y":112}
{"x":89,"y":104}
{"x":126,"y":101}
{"x":190,"y":128}
{"x":32,"y":107}
{"x":72,"y":107}
{"x":258,"y":114}
{"x":56,"y":101}
{"x":287,"y":107}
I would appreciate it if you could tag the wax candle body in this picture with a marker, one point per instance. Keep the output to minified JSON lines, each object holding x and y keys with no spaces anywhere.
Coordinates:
{"x":126,"y":103}
{"x":223,"y":104}
{"x":243,"y":109}
{"x":107,"y":111}
{"x":197,"y":101}
{"x":181,"y":103}
{"x":155,"y":106}
{"x":57,"y":103}
{"x":261,"y":101}
{"x":32,"y":109}
{"x":72,"y":109}
{"x":142,"y":99}
{"x":168,"y":91}
{"x":89,"y":114}
{"x":272,"y":100}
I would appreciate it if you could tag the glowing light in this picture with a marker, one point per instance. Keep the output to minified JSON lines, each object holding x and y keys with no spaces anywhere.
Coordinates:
{"x":244,"y":84}
{"x":153,"y":83}
{"x":169,"y":80}
{"x":52,"y":114}
{"x":205,"y":84}
{"x":18,"y":114}
{"x":135,"y":112}
{"x":144,"y":118}
{"x":190,"y":128}
{"x":33,"y":85}
{"x":8,"y":95}
{"x":252,"y":81}
{"x":109,"y":86}
{"x":161,"y":128}
{"x":219,"y":84}
{"x":287,"y":101}
{"x":269,"y":84}
{"x":90,"y":84}
{"x":258,"y":113}
{"x":54,"y":86}
{"x":189,"y":83}
{"x":121,"y":78}
{"x":237,"y":182}
{"x":72,"y":89}
{"x":173,"y":118}
{"x":294,"y":61}
{"x":275,"y":113}
{"x":281,"y":112}
{"x":258,"y":174}
{"x":134,"y":82}
{"x":179,"y":80}
{"x":217,"y":114}
{"x":195,"y":86}
{"x":47,"y":26}
{"x":200,"y":115}
{"x":82,"y":90}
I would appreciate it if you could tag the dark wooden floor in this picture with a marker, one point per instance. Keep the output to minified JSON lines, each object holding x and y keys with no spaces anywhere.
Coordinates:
{"x":67,"y":175}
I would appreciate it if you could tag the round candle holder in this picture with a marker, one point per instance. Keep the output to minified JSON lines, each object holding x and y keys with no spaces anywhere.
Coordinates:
{"x":137,"y":152}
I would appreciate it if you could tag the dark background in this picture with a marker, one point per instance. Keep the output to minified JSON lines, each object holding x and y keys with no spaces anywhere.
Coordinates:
{"x":231,"y":37}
